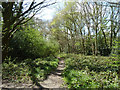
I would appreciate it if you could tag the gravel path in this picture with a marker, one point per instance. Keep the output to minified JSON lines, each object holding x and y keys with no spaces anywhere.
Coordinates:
{"x":54,"y":80}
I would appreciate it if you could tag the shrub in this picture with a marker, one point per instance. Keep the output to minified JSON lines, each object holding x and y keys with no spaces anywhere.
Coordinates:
{"x":30,"y":44}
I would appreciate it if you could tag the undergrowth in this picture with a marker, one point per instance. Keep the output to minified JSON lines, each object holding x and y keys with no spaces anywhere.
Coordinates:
{"x":91,"y":71}
{"x":28,"y":70}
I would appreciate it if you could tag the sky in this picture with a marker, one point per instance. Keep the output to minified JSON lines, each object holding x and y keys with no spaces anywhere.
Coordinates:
{"x":49,"y":12}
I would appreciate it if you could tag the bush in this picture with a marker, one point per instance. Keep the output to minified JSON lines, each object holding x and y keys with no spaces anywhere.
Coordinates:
{"x":29,"y":44}
{"x":116,"y":49}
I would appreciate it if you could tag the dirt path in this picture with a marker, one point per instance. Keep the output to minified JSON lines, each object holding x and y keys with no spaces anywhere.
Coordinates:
{"x":54,"y":80}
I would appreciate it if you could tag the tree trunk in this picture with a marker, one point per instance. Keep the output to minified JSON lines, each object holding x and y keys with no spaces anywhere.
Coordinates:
{"x":111,"y":32}
{"x":5,"y":45}
{"x":96,"y":42}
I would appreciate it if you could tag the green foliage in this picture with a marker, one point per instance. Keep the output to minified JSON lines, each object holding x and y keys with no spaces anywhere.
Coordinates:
{"x":28,"y":70}
{"x":91,"y":71}
{"x":62,"y":55}
{"x":72,"y":28}
{"x":15,"y":72}
{"x":29,"y":43}
{"x":116,"y":49}
{"x":79,"y":79}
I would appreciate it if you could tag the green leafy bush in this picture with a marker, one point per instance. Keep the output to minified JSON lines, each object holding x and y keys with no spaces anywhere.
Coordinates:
{"x":29,"y":43}
{"x":116,"y":49}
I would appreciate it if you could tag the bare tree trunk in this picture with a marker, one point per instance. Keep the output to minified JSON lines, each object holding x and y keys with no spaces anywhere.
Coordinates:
{"x":96,"y":28}
{"x":96,"y":42}
{"x":111,"y":32}
{"x":93,"y":48}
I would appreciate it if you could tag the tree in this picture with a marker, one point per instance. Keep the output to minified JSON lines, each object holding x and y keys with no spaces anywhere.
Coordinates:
{"x":86,"y":27}
{"x":15,"y":14}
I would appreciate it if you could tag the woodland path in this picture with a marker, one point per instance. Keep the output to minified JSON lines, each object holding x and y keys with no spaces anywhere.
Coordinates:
{"x":55,"y":80}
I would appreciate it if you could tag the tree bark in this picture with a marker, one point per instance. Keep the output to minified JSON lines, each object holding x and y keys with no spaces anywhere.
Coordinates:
{"x":111,"y":32}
